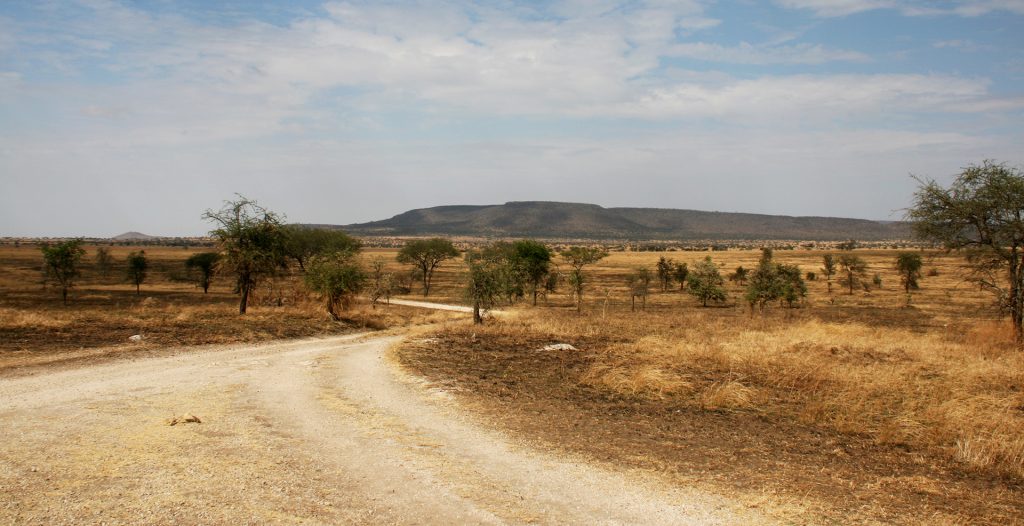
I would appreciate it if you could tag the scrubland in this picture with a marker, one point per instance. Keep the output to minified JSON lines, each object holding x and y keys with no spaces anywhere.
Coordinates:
{"x":914,"y":408}
{"x":863,"y":407}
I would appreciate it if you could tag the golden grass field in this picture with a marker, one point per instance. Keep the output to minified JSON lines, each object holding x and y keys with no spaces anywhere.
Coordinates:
{"x":927,"y":398}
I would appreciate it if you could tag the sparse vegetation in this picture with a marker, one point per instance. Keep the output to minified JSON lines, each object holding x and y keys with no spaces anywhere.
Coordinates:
{"x":854,"y":269}
{"x":639,"y":287}
{"x":104,"y":261}
{"x":137,"y":266}
{"x":61,"y":264}
{"x":426,"y":255}
{"x":203,"y":267}
{"x":579,"y":258}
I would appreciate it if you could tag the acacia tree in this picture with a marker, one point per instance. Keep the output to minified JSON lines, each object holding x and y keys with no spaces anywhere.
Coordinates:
{"x":740,"y":275}
{"x":578,"y":258}
{"x":765,"y":283}
{"x":103,"y":261}
{"x":908,"y":265}
{"x":204,"y":265}
{"x":138,"y":265}
{"x":706,"y":283}
{"x":251,"y":242}
{"x":665,"y":268}
{"x":639,"y":283}
{"x":828,"y":268}
{"x":535,"y":262}
{"x":981,"y":213}
{"x":680,"y":273}
{"x":337,"y":278}
{"x":854,"y":269}
{"x":484,"y":280}
{"x":302,"y":243}
{"x":60,"y":264}
{"x":383,"y":283}
{"x":426,"y":255}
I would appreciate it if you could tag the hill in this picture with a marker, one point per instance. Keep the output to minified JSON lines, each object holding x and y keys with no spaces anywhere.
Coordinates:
{"x":133,"y":236}
{"x":553,"y":220}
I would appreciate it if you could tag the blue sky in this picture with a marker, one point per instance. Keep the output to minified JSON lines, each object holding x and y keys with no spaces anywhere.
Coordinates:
{"x":140,"y":115}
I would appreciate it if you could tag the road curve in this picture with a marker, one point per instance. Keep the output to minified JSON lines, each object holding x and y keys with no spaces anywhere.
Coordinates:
{"x":317,"y":431}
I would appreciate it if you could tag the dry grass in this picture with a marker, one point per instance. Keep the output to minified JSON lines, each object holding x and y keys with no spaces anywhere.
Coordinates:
{"x":957,"y":394}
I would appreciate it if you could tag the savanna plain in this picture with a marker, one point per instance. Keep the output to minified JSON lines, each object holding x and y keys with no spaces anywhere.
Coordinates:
{"x":870,"y":407}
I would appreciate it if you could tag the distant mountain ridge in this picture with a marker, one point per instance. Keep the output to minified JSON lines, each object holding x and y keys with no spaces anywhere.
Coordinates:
{"x":555,"y":220}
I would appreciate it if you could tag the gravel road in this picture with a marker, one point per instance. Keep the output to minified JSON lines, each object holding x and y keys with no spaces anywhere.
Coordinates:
{"x":318,"y":431}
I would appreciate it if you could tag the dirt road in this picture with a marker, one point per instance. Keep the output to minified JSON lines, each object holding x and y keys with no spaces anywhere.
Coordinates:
{"x":320,"y":431}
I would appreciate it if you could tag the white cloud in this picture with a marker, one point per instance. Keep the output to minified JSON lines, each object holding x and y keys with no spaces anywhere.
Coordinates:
{"x":967,"y":8}
{"x":745,"y":53}
{"x":829,"y":8}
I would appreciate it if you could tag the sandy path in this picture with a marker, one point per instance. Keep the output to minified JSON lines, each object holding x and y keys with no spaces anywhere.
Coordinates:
{"x":320,"y":431}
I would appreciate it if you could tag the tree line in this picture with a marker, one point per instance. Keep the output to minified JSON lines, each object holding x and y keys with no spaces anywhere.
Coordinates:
{"x":980,"y":215}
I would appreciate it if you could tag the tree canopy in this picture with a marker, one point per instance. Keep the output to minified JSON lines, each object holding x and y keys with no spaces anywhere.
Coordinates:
{"x":60,"y":264}
{"x":251,"y":241}
{"x":426,"y":255}
{"x":982,"y":214}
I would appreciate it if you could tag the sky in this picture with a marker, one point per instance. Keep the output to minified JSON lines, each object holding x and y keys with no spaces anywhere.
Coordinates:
{"x":141,"y":115}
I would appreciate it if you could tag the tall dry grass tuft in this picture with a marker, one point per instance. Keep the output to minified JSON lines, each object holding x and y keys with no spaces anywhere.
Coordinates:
{"x":18,"y":318}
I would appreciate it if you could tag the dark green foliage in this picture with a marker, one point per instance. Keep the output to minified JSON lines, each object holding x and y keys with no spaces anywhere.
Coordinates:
{"x":426,"y":255}
{"x":982,"y":213}
{"x":336,"y":277}
{"x":810,"y":276}
{"x":740,"y":275}
{"x":578,"y":258}
{"x":794,"y":289}
{"x":908,"y":265}
{"x":534,"y":260}
{"x":137,"y":266}
{"x":706,"y":283}
{"x":680,"y":273}
{"x":302,"y":243}
{"x":252,"y":243}
{"x":772,"y":281}
{"x":665,"y":268}
{"x":484,"y":280}
{"x":203,"y":266}
{"x":60,"y":264}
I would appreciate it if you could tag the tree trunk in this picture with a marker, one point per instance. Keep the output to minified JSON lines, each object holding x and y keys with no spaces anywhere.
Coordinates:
{"x":632,"y":305}
{"x":64,"y":294}
{"x":137,"y":292}
{"x":1016,"y":273}
{"x":245,"y":298}
{"x":426,"y":283}
{"x":477,"y":318}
